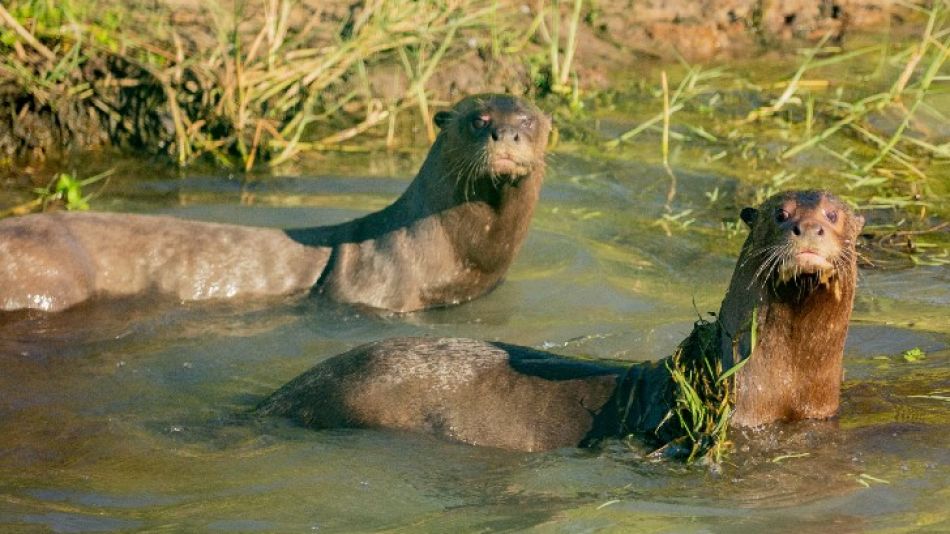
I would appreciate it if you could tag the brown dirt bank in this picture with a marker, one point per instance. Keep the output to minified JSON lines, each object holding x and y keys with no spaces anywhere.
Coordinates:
{"x":617,"y":35}
{"x":239,"y":80}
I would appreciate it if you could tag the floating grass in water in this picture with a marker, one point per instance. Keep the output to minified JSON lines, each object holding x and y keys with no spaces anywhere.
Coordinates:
{"x":64,"y":190}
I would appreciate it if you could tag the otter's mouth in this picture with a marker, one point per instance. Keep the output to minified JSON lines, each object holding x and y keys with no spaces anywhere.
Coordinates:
{"x":806,"y":263}
{"x":811,"y":262}
{"x":507,"y":166}
{"x":509,"y":161}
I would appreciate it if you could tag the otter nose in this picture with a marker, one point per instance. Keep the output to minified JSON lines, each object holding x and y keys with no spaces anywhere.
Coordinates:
{"x":808,"y":228}
{"x":505,"y":133}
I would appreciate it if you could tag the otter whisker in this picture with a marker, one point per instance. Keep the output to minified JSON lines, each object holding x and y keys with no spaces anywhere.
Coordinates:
{"x":765,"y":251}
{"x":478,"y":167}
{"x":457,"y":171}
{"x":754,"y":255}
{"x":769,"y":264}
{"x":466,"y":170}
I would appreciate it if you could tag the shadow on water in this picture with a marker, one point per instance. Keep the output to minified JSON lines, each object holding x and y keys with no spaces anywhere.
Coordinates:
{"x":134,"y":415}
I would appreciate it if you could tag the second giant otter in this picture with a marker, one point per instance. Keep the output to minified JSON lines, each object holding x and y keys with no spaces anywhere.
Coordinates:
{"x":449,"y":238}
{"x":795,"y":275}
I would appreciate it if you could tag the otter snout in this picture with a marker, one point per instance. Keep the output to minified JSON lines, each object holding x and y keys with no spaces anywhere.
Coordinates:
{"x":808,"y":229}
{"x":811,"y":246}
{"x":505,"y":133}
{"x":509,"y":154}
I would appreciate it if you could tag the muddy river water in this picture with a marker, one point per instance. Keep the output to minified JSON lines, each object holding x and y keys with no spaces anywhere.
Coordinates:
{"x":132,"y":416}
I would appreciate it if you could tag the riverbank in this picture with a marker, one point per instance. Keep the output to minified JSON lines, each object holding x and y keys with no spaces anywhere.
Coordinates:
{"x":238,"y":82}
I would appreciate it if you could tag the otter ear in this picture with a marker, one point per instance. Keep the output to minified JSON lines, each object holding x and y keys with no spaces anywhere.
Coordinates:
{"x":442,"y":118}
{"x":748,"y":215}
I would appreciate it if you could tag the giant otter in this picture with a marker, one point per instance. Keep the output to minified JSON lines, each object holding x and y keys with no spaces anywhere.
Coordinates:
{"x":796,"y":274}
{"x":449,"y":238}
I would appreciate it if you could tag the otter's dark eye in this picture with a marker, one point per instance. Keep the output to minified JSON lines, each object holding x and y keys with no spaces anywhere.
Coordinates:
{"x":832,"y":216}
{"x":781,"y":215}
{"x":480,"y":122}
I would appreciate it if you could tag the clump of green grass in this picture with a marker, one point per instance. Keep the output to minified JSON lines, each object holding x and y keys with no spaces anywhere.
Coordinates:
{"x":245,"y":97}
{"x":703,"y":394}
{"x":65,"y":190}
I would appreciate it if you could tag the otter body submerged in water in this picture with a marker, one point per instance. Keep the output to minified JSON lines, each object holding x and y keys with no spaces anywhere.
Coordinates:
{"x":796,"y":273}
{"x":449,"y":238}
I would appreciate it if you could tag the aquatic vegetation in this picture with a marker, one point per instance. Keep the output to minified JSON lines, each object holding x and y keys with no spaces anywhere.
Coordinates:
{"x":869,"y":122}
{"x":68,"y":189}
{"x":882,"y":154}
{"x":913,"y":355}
{"x":64,"y":190}
{"x":704,"y":395}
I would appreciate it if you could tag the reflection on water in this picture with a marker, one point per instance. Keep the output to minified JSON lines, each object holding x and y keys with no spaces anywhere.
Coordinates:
{"x":133,"y":415}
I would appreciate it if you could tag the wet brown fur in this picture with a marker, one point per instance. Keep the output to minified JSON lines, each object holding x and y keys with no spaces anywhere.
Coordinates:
{"x":449,"y":238}
{"x":795,"y":370}
{"x":518,"y":398}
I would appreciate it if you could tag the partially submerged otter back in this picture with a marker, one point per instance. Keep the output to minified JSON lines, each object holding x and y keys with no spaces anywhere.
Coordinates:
{"x":488,"y":394}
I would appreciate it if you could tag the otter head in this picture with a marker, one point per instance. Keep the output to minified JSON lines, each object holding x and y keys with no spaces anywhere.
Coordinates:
{"x":802,"y":239}
{"x":794,"y":285}
{"x":499,"y":139}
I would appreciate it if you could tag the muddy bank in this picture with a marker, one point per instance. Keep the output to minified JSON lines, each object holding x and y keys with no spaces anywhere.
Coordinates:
{"x":238,"y":82}
{"x":716,"y":29}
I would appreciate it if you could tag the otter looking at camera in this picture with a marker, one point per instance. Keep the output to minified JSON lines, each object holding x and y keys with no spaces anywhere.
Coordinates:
{"x":449,"y":238}
{"x":793,"y":283}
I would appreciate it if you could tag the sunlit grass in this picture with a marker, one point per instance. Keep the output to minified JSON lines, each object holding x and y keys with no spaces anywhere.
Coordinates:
{"x":864,"y":122}
{"x":270,"y":86}
{"x":65,"y":190}
{"x":819,"y":109}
